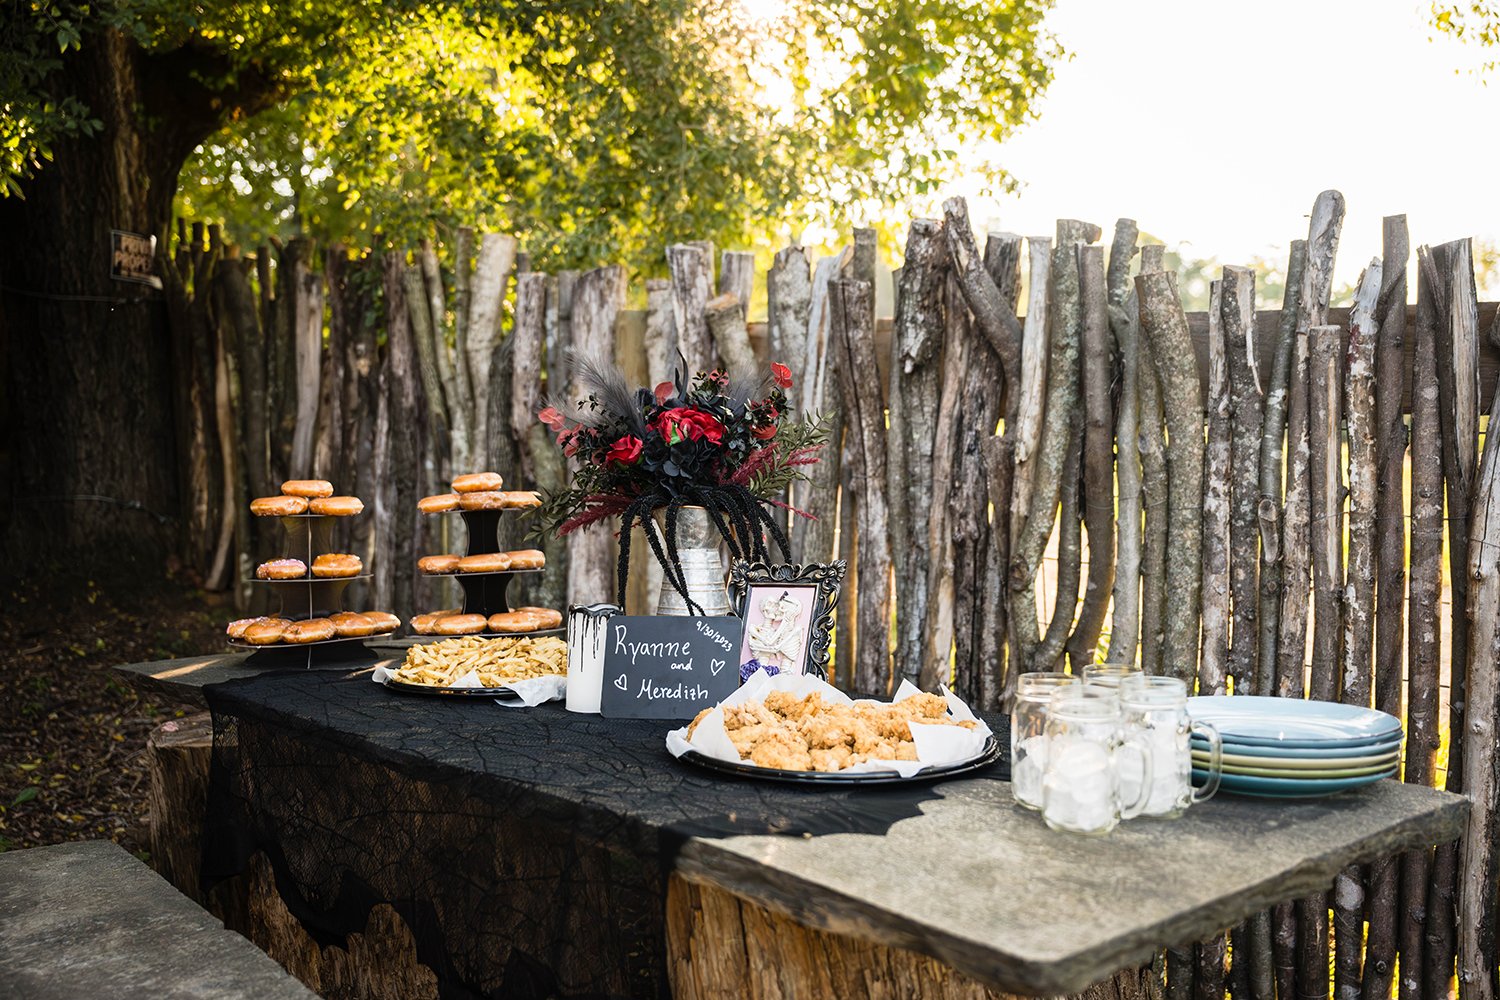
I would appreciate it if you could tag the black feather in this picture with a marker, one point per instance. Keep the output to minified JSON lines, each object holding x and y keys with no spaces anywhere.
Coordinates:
{"x":607,"y":385}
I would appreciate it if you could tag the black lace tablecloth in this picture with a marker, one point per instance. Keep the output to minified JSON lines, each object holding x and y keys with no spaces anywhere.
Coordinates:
{"x":526,"y":849}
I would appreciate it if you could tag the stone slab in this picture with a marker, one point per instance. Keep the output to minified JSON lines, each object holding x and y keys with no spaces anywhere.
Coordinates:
{"x":1030,"y":910}
{"x":88,"y":920}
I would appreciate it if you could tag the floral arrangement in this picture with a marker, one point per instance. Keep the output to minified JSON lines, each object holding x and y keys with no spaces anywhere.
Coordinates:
{"x":726,"y":444}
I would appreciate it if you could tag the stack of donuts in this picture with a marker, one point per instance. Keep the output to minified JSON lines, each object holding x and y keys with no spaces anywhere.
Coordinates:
{"x":271,"y":630}
{"x":478,"y":491}
{"x":309,"y":497}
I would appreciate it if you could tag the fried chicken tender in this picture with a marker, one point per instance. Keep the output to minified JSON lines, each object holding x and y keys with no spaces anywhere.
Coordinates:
{"x":792,"y":707}
{"x":835,"y":759}
{"x":921,"y":707}
{"x":782,"y":749}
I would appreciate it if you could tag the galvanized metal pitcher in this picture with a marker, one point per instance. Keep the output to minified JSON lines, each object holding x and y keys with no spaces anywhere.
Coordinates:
{"x":698,"y":549}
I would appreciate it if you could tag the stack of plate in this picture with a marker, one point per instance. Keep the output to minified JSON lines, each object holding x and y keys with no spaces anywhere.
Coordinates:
{"x":1285,"y":748}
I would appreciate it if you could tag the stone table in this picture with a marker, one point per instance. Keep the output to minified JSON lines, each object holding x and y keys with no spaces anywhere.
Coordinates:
{"x":89,"y":920}
{"x":950,"y":890}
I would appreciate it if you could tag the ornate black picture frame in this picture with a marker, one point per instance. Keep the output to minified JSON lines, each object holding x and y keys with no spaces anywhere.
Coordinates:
{"x":822,"y":580}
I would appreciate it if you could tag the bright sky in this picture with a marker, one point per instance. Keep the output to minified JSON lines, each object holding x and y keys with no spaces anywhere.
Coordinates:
{"x":1216,"y":124}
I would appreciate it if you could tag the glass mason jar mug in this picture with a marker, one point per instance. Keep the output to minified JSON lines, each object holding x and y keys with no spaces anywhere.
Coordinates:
{"x":1028,"y":733}
{"x":1085,"y":748}
{"x":1155,"y":713}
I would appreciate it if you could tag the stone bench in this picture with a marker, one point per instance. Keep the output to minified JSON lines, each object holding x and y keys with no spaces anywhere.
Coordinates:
{"x":89,"y":920}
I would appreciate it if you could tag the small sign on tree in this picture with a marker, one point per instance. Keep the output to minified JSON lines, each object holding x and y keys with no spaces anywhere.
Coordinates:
{"x":132,"y":257}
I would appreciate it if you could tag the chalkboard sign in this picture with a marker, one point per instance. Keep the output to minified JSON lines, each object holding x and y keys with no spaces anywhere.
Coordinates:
{"x":668,"y":666}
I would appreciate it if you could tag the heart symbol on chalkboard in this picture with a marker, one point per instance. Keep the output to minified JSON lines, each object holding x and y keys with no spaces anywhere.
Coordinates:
{"x":620,"y":682}
{"x":717,"y":665}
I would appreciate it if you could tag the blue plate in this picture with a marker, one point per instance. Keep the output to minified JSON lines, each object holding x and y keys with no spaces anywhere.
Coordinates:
{"x":1284,"y":751}
{"x":1292,"y":788}
{"x":1251,"y":720}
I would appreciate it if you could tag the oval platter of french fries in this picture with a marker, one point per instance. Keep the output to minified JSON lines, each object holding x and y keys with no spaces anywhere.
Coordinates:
{"x":529,"y":669}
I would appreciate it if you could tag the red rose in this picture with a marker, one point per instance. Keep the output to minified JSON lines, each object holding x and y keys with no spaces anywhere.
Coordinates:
{"x":625,"y":451}
{"x":782,"y":375}
{"x":684,"y":423}
{"x":552,"y":418}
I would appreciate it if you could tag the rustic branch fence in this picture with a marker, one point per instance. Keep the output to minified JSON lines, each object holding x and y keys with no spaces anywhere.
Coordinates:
{"x":1213,"y":483}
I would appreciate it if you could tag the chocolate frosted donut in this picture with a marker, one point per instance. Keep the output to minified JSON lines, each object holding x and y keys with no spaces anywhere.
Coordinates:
{"x":475,"y":482}
{"x":281,"y":569}
{"x":307,"y":488}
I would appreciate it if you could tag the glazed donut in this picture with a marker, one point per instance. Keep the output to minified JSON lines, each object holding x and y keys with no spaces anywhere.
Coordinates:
{"x":307,"y":488}
{"x":351,"y":624}
{"x":278,"y":506}
{"x":426,"y":624}
{"x":337,"y":506}
{"x":384,"y":621}
{"x":281,"y":569}
{"x":520,"y":499}
{"x":489,"y":562}
{"x":527,"y":559}
{"x":460,"y":624}
{"x":474,"y":482}
{"x":483,"y":500}
{"x":437,"y":565}
{"x":333,"y":565}
{"x":236,"y":629}
{"x":550,"y":618}
{"x":514,"y":621}
{"x":440,"y":504}
{"x":311,"y":630}
{"x":267,"y":631}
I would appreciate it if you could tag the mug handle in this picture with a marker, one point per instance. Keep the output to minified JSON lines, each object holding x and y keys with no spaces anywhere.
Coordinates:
{"x":1142,"y":750}
{"x":1215,"y":760}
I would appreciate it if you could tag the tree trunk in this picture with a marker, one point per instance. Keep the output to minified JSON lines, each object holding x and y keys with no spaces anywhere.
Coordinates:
{"x":788,"y":300}
{"x":916,"y":359}
{"x":1216,"y":614}
{"x":692,"y":276}
{"x":1097,"y":369}
{"x":737,"y":276}
{"x":1390,"y":444}
{"x":1424,"y":636}
{"x":1165,"y":327}
{"x":1124,"y":324}
{"x":596,"y":305}
{"x":1481,"y":842}
{"x":481,"y":325}
{"x":1152,"y":446}
{"x":813,"y":538}
{"x":1359,"y":406}
{"x":1325,"y":466}
{"x":1246,"y":398}
{"x":406,"y":434}
{"x":725,"y":316}
{"x":1296,"y":559}
{"x":1272,"y":454}
{"x":854,"y":335}
{"x":526,"y":340}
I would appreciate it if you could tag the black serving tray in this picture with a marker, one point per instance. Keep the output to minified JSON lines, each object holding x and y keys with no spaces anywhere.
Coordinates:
{"x":985,"y":758}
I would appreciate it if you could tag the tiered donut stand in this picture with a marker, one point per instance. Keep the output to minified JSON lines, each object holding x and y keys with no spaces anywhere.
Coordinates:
{"x":485,"y":592}
{"x":301,"y":598}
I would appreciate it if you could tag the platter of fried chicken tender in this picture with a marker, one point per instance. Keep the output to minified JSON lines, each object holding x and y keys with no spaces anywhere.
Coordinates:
{"x":801,"y":729}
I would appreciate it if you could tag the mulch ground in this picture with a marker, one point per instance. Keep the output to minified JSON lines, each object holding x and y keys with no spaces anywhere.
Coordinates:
{"x":72,"y":734}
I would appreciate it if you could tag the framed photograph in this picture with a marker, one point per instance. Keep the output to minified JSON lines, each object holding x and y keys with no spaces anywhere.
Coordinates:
{"x":788,"y":613}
